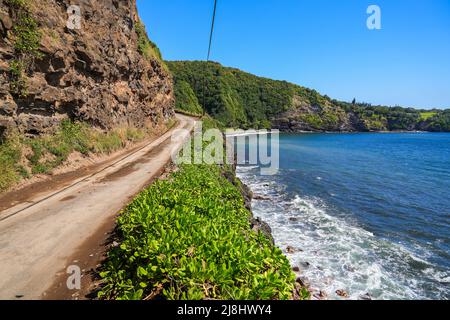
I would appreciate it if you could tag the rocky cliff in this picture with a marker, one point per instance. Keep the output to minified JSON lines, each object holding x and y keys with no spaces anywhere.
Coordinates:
{"x":103,"y":71}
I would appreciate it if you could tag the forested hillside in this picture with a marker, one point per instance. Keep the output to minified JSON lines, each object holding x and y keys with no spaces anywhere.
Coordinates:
{"x":240,"y":99}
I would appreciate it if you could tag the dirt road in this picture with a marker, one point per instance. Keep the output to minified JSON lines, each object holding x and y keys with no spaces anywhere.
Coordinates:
{"x":38,"y":237}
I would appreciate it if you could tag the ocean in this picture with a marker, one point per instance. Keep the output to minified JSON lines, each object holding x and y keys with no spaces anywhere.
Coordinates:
{"x":368,"y":214}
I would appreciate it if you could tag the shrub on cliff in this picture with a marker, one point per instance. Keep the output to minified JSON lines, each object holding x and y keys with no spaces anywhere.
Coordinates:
{"x":186,"y":99}
{"x":145,"y":46}
{"x":26,"y":38}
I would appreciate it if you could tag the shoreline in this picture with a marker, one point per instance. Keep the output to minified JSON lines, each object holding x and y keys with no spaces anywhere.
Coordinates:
{"x":259,"y":225}
{"x":251,"y":132}
{"x":358,"y":132}
{"x":315,"y":293}
{"x":306,"y":211}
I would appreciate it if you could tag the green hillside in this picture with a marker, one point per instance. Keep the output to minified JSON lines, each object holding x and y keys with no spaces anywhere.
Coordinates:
{"x":239,"y":99}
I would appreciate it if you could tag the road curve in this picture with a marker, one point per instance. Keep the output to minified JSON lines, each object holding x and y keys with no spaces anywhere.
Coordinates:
{"x":38,"y":237}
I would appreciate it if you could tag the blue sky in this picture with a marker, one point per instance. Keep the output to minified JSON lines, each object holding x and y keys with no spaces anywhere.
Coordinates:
{"x":321,"y":44}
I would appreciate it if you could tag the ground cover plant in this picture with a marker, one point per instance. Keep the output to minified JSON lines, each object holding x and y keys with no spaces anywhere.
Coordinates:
{"x":189,"y":237}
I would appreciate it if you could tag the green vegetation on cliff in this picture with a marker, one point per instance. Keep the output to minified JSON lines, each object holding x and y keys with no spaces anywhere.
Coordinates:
{"x":186,"y":99}
{"x":145,"y":46}
{"x":230,"y":96}
{"x":26,"y":39}
{"x":239,"y":99}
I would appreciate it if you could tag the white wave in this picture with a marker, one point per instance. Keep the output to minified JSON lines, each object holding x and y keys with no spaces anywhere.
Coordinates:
{"x":335,"y":253}
{"x":242,"y":169}
{"x":247,"y":133}
{"x":440,"y":276}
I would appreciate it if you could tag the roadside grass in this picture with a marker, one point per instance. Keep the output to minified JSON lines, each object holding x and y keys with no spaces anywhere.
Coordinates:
{"x":189,"y":237}
{"x":189,"y":113}
{"x":21,"y":157}
{"x":10,"y":154}
{"x":211,"y":123}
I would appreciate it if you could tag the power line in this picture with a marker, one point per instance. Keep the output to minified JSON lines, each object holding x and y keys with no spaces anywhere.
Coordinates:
{"x":209,"y":55}
{"x":212,"y":30}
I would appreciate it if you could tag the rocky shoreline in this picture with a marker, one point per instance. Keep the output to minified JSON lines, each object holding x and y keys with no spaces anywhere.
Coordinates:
{"x":259,"y":225}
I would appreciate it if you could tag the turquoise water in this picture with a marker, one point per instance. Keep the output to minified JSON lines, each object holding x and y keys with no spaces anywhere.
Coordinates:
{"x":367,"y":213}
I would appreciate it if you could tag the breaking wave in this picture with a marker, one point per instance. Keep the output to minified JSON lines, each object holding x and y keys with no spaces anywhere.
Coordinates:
{"x":335,"y":253}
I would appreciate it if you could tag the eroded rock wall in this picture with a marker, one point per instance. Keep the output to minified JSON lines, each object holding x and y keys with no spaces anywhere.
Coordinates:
{"x":95,"y":74}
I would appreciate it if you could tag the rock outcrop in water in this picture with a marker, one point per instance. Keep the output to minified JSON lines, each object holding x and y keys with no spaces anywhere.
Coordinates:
{"x":102,"y":73}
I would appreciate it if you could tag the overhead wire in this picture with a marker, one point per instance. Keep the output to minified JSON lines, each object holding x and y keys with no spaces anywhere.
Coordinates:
{"x":211,"y":34}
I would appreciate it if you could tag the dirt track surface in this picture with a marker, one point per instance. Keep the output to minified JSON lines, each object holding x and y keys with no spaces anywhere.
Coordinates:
{"x":39,"y":236}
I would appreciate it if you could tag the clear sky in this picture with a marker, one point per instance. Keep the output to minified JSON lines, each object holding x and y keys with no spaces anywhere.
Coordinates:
{"x":321,"y":44}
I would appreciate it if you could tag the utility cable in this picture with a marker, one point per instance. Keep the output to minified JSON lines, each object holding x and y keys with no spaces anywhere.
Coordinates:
{"x":211,"y":34}
{"x":212,"y":30}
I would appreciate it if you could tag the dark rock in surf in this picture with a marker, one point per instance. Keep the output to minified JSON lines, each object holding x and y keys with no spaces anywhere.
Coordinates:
{"x":245,"y":191}
{"x":258,"y":225}
{"x":321,"y":295}
{"x":342,"y":293}
{"x":366,"y":296}
{"x":290,"y":250}
{"x":302,"y":282}
{"x":261,"y":198}
{"x":305,"y":265}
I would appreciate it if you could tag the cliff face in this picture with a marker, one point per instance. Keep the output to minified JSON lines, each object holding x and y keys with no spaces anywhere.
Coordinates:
{"x":102,"y":73}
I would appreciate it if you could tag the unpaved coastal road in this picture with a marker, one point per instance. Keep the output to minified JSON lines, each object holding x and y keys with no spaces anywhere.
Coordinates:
{"x":37,"y":238}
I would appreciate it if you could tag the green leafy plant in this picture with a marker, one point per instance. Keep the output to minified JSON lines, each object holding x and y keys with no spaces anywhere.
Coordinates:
{"x":189,"y":238}
{"x":26,"y":40}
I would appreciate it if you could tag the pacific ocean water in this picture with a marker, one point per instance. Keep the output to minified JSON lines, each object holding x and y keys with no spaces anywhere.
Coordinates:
{"x":366,"y":213}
